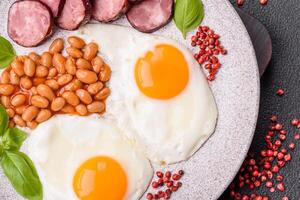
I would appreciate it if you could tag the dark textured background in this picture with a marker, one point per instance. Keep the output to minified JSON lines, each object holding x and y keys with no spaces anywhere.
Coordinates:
{"x":282,"y":19}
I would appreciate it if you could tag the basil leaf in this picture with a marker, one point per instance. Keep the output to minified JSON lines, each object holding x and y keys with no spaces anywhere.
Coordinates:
{"x":1,"y":149}
{"x":3,"y":120}
{"x":22,"y":174}
{"x":7,"y":52}
{"x":13,"y":139}
{"x":188,"y":15}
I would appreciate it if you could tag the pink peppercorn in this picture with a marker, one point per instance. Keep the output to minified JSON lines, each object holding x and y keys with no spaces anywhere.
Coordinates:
{"x":179,"y":184}
{"x":245,"y":197}
{"x":149,"y":196}
{"x":168,"y":174}
{"x":269,"y":184}
{"x":277,"y":143}
{"x":280,"y":187}
{"x":270,"y":153}
{"x":240,"y":2}
{"x":295,"y":122}
{"x":169,"y":184}
{"x":259,"y":198}
{"x":284,"y":151}
{"x":257,"y":183}
{"x":278,"y":126}
{"x":275,"y":169}
{"x":263,"y":2}
{"x":292,"y":146}
{"x":176,"y":177}
{"x":281,"y":163}
{"x":263,"y":153}
{"x":283,"y":132}
{"x":267,"y":165}
{"x":155,"y":184}
{"x":274,"y":118}
{"x":282,"y":137}
{"x":280,"y":92}
{"x":279,"y":178}
{"x":159,"y":174}
{"x":280,"y":156}
{"x":287,"y":157}
{"x":263,"y":178}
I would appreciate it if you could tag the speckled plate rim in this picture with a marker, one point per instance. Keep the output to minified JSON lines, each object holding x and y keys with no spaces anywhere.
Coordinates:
{"x":218,"y":177}
{"x":256,"y":71}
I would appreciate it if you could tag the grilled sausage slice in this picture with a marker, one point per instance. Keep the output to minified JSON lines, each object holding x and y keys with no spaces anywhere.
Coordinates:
{"x":56,"y":6}
{"x":74,"y":14}
{"x":108,"y":10}
{"x":28,"y":29}
{"x":150,"y":15}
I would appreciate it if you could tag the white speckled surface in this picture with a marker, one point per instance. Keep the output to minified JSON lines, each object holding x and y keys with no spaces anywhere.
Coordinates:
{"x":236,"y":90}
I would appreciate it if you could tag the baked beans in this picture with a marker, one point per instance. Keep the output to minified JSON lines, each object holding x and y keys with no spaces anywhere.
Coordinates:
{"x":35,"y":87}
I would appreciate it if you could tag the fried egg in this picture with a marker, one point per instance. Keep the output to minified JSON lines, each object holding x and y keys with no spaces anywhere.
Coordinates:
{"x":159,"y":93}
{"x":86,"y":158}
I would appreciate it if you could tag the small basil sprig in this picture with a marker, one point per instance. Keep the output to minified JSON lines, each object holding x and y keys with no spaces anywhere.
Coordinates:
{"x":13,"y":139}
{"x":188,"y":15}
{"x":16,"y":165}
{"x":3,"y":121}
{"x":7,"y":52}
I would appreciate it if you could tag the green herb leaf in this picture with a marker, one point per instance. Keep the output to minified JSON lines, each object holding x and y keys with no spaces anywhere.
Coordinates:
{"x":188,"y":15}
{"x":1,"y":149}
{"x":13,"y":139}
{"x":7,"y":52}
{"x":22,"y":174}
{"x":3,"y":120}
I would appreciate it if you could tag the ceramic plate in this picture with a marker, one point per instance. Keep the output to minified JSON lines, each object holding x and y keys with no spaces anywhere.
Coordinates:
{"x":236,"y":90}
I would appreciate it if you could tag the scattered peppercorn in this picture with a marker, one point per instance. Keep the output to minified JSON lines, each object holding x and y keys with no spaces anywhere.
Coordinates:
{"x":295,"y":122}
{"x":241,"y":2}
{"x":280,"y":187}
{"x":263,"y":170}
{"x":292,"y":146}
{"x":209,"y":48}
{"x":166,"y":184}
{"x":263,"y":2}
{"x":280,"y":92}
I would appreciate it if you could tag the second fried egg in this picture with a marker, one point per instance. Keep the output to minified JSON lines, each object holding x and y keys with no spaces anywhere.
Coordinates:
{"x":159,"y":93}
{"x":87,"y":159}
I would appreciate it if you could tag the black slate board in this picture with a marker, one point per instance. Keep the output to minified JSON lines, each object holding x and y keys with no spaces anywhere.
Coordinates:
{"x":282,"y":19}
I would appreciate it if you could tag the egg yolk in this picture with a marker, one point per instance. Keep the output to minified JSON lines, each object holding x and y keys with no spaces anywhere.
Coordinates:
{"x":162,"y":73}
{"x":100,"y":178}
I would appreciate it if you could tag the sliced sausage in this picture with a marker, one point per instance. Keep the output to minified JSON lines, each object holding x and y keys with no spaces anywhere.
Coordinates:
{"x":108,"y":10}
{"x":74,"y":14}
{"x":150,"y":15}
{"x":29,"y":22}
{"x":56,"y":6}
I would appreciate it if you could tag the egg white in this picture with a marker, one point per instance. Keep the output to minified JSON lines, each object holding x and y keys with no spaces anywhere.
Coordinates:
{"x":59,"y":146}
{"x":167,"y":131}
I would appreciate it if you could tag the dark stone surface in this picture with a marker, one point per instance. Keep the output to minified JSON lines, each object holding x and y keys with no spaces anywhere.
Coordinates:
{"x":282,"y":19}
